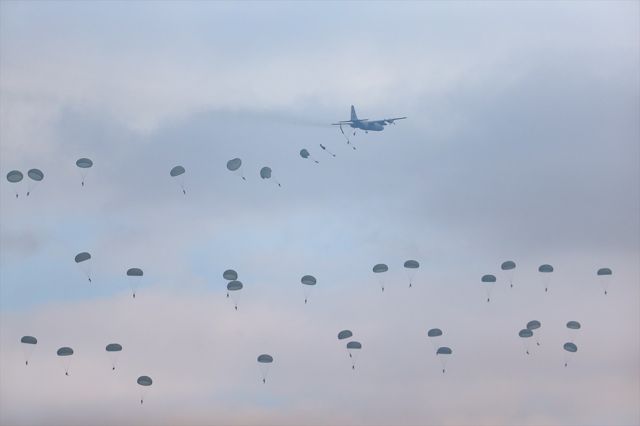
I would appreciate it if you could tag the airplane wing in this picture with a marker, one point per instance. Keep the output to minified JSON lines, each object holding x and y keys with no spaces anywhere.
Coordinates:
{"x":391,"y":120}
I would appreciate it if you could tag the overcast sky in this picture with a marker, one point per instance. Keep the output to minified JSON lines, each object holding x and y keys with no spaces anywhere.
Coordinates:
{"x":521,"y":143}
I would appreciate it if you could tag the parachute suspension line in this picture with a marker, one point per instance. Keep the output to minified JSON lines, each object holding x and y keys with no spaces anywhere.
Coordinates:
{"x":347,"y":138}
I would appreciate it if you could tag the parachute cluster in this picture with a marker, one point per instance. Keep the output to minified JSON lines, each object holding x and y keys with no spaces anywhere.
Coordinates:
{"x":15,"y":177}
{"x":353,"y":346}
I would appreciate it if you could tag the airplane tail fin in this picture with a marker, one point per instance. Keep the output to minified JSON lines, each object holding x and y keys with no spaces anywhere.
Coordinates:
{"x":354,"y":117}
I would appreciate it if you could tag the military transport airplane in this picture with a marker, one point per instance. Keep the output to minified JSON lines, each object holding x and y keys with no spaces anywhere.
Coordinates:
{"x":366,"y":124}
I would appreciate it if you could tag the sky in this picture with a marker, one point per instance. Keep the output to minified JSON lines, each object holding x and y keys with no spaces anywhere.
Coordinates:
{"x":521,"y":143}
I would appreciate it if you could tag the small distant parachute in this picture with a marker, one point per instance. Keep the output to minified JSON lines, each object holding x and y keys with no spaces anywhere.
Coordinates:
{"x":488,"y":280}
{"x":84,"y":164}
{"x":134,"y":272}
{"x":145,"y":382}
{"x":525,"y":333}
{"x":605,"y":276}
{"x":443,"y":353}
{"x":345,"y":334}
{"x":83,"y":261}
{"x":305,"y":154}
{"x":324,"y":148}
{"x":29,"y":344}
{"x":573,"y":325}
{"x":265,"y":173}
{"x":509,"y":267}
{"x":113,"y":350}
{"x":36,"y":176}
{"x":178,"y":172}
{"x":354,"y":349}
{"x":14,"y":176}
{"x":546,"y":271}
{"x":264,"y":362}
{"x":65,"y":353}
{"x":233,"y":287}
{"x":309,"y":282}
{"x":534,"y":325}
{"x":379,"y":269}
{"x":411,"y":266}
{"x":570,"y":348}
{"x":230,"y":275}
{"x":234,"y":165}
{"x":435,"y":336}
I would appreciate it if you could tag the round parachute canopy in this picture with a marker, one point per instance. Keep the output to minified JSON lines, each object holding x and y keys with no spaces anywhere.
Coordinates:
{"x":525,"y":332}
{"x":81,"y":257}
{"x":177,"y":171}
{"x":84,"y":163}
{"x":29,"y":340}
{"x":265,"y":172}
{"x":234,"y":164}
{"x":573,"y":325}
{"x":380,"y":267}
{"x":234,"y":286}
{"x":604,"y":271}
{"x":14,"y":176}
{"x":65,"y":351}
{"x":488,"y":279}
{"x":545,"y":268}
{"x":344,"y":334}
{"x":354,"y":345}
{"x":308,"y":280}
{"x":35,"y":174}
{"x":134,"y":272}
{"x":570,"y":347}
{"x":444,"y":351}
{"x":230,"y":275}
{"x":113,"y":347}
{"x":533,"y":325}
{"x":434,"y":332}
{"x":508,"y":265}
{"x":411,"y":264}
{"x":304,"y":153}
{"x":144,"y":381}
{"x":265,"y":359}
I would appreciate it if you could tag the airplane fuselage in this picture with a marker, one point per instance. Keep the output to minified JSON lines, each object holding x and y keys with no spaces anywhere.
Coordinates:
{"x":367,"y":126}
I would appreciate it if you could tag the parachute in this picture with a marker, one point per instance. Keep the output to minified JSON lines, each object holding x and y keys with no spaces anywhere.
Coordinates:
{"x":526,"y":334}
{"x":489,"y":280}
{"x":14,"y":176}
{"x":264,"y":362}
{"x":178,"y":172}
{"x":605,"y":276}
{"x":29,"y":344}
{"x":435,"y":336}
{"x":265,"y":173}
{"x":309,"y":281}
{"x":84,"y":164}
{"x":573,"y":325}
{"x":145,"y":382}
{"x":113,"y":350}
{"x":345,"y":334}
{"x":443,"y":353}
{"x":230,"y":275}
{"x":353,"y":348}
{"x":379,"y":269}
{"x":509,"y":267}
{"x":232,"y":288}
{"x":234,"y":165}
{"x":546,"y":270}
{"x":534,"y":325}
{"x":324,"y":148}
{"x":64,"y":353}
{"x":134,"y":272}
{"x":411,"y":266}
{"x":570,"y":348}
{"x":36,"y":176}
{"x":83,"y":261}
{"x":305,"y":154}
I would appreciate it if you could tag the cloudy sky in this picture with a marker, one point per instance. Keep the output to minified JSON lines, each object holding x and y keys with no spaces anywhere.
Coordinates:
{"x":521,"y":143}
